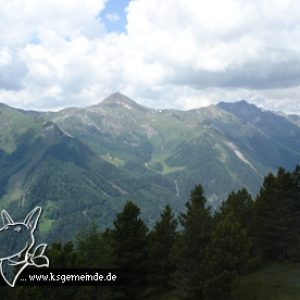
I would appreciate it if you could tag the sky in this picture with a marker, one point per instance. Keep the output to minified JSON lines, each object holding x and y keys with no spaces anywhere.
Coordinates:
{"x":180,"y":54}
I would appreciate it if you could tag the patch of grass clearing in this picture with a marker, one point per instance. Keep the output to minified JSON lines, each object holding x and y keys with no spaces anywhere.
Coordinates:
{"x":45,"y":226}
{"x":166,"y":169}
{"x":113,"y":160}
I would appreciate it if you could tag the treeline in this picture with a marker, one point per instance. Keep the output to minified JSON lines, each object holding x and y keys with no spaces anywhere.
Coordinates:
{"x":202,"y":260}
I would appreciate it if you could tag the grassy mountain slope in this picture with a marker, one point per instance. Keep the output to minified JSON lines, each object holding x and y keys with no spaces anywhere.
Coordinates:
{"x":43,"y":165}
{"x":221,"y":150}
{"x":84,"y":163}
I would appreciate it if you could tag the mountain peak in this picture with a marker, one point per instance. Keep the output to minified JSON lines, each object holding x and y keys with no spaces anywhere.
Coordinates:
{"x":241,"y":103}
{"x":241,"y":106}
{"x":120,"y":100}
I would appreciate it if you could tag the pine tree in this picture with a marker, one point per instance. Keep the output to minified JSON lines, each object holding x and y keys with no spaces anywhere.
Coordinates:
{"x":60,"y":256}
{"x":95,"y":252}
{"x":293,"y":194}
{"x":241,"y":205}
{"x":189,"y":250}
{"x":130,"y":250}
{"x":285,"y":200}
{"x":226,"y":258}
{"x":63,"y":256}
{"x":94,"y":249}
{"x":162,"y":239}
{"x":275,"y":214}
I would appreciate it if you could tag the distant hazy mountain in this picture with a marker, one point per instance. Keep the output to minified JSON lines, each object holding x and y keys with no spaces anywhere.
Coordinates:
{"x":275,"y":125}
{"x":84,"y":163}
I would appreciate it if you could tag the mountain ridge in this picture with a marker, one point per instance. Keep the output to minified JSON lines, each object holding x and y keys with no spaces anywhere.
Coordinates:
{"x":80,"y":163}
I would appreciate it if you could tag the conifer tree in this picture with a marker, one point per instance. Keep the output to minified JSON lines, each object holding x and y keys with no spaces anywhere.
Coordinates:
{"x":94,"y":248}
{"x":61,"y":256}
{"x":285,"y":215}
{"x":162,"y":239}
{"x":95,"y":252}
{"x":274,"y":214}
{"x":266,"y":221}
{"x":189,"y":250}
{"x":240,"y":203}
{"x":294,"y":247}
{"x":130,"y":250}
{"x":226,"y":258}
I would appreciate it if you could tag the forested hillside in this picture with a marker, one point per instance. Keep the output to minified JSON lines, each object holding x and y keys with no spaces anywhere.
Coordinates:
{"x":85,"y":163}
{"x":210,"y":257}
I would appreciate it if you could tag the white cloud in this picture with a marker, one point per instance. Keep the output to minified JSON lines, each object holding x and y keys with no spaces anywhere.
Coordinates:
{"x":181,"y":54}
{"x":112,"y":17}
{"x":5,"y":57}
{"x":220,"y":44}
{"x":12,"y":70}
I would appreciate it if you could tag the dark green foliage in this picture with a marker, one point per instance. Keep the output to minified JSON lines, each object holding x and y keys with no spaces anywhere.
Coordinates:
{"x":266,"y":217}
{"x":70,"y":150}
{"x":11,"y":163}
{"x":136,"y":167}
{"x":277,"y":214}
{"x":162,"y":239}
{"x":62,"y":257}
{"x":241,"y":205}
{"x":130,"y":250}
{"x":227,"y":257}
{"x":71,"y":192}
{"x":92,"y":251}
{"x":189,"y":251}
{"x":157,"y":167}
{"x":294,"y":247}
{"x":204,"y":261}
{"x":94,"y":248}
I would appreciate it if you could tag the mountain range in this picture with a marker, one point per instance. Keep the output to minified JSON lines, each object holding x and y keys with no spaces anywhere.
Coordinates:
{"x":81,"y":164}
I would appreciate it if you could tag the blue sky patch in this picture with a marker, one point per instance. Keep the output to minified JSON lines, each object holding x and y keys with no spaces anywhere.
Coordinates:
{"x":114,"y":16}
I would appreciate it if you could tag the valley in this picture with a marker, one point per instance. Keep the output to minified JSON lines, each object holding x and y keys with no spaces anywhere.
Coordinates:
{"x":81,"y":164}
